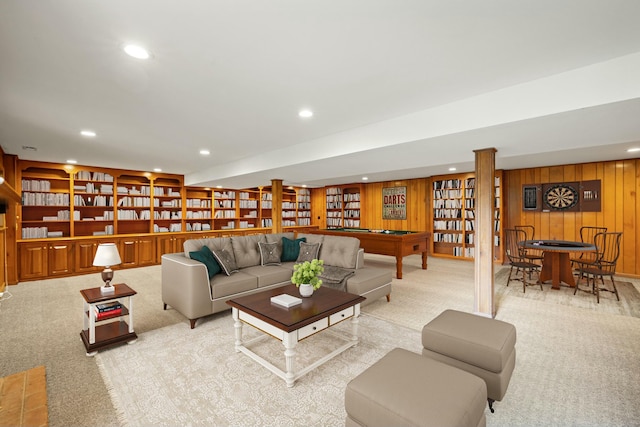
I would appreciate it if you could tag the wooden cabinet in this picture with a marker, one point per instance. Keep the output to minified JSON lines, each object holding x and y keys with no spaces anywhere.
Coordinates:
{"x":39,"y":260}
{"x":137,"y":251}
{"x":169,"y":244}
{"x":85,"y":251}
{"x":146,"y":250}
{"x":453,"y":216}
{"x":60,"y":258}
{"x":33,"y":260}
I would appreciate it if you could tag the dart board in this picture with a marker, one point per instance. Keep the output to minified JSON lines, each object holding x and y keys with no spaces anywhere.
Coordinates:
{"x":561,"y":197}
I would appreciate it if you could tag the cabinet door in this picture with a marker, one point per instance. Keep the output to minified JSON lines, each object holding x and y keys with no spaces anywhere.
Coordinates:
{"x":33,"y":260}
{"x":60,"y":258}
{"x":169,"y":245}
{"x":129,"y":252}
{"x":146,"y":250}
{"x":85,"y":251}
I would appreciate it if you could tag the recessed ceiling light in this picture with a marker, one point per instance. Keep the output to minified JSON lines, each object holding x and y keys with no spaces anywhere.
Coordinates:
{"x":633,"y":150}
{"x":157,"y":170}
{"x":365,"y":178}
{"x":218,"y":186}
{"x":304,"y":185}
{"x":72,"y":162}
{"x":136,"y":51}
{"x":305,"y":113}
{"x":452,"y":169}
{"x":205,"y":152}
{"x":88,"y":133}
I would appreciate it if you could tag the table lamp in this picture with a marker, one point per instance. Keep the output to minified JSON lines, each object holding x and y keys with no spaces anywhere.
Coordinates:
{"x":106,"y":256}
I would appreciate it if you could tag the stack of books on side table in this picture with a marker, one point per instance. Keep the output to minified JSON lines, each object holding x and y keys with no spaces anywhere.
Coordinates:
{"x":108,"y":309}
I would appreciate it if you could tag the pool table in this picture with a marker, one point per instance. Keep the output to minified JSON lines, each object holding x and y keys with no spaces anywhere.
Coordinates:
{"x":387,"y":242}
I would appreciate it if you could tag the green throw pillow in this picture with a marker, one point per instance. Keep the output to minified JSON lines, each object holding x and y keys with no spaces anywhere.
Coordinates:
{"x":291,"y":248}
{"x":205,"y":256}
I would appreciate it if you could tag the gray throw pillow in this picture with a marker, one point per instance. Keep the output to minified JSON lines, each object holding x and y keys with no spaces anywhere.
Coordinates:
{"x":269,"y":253}
{"x":226,"y":261}
{"x":308,"y":252}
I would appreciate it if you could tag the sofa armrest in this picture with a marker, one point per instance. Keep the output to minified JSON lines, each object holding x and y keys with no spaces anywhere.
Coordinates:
{"x":360,"y":259}
{"x":185,"y":285}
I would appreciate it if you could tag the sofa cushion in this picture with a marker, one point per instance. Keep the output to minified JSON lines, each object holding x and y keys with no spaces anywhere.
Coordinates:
{"x":270,"y":253}
{"x":245,"y":249}
{"x":308,"y":252}
{"x":340,"y":251}
{"x":205,"y":256}
{"x":226,"y":260}
{"x":291,"y":248}
{"x":311,"y":238}
{"x":224,"y":286}
{"x":268,"y":275}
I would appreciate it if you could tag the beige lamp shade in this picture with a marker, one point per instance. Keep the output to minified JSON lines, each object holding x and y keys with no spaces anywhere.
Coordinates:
{"x":107,"y":255}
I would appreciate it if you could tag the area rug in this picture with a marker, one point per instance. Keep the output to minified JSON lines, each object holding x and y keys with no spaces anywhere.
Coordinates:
{"x":629,"y":304}
{"x":177,"y":376}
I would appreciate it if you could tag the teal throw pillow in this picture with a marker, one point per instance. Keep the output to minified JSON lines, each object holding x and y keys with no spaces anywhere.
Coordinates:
{"x":291,"y":248}
{"x":205,"y":256}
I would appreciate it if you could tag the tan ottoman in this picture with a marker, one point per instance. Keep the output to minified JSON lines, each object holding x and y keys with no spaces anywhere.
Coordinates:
{"x":406,"y":389}
{"x":479,"y":345}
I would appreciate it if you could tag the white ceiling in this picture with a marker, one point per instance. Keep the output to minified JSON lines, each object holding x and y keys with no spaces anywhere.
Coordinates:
{"x":399,"y":88}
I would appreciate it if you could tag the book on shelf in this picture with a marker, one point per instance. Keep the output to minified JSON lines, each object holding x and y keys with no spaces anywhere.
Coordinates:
{"x":107,"y":306}
{"x":105,"y":314}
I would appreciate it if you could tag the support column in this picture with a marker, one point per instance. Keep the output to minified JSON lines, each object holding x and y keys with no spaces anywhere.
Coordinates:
{"x":276,"y":207}
{"x":484,"y":246}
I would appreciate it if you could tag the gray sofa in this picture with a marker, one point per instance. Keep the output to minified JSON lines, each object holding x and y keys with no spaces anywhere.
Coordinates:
{"x":186,"y":286}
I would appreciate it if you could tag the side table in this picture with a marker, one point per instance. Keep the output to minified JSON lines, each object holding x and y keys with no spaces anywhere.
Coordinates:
{"x":103,"y":333}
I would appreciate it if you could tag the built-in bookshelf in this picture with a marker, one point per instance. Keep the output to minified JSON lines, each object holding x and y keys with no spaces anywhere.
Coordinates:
{"x":266,"y":207}
{"x":133,"y":204}
{"x":198,"y":209}
{"x":80,"y":201}
{"x":46,"y":203}
{"x":289,"y":207}
{"x":167,"y":205}
{"x":249,"y":213}
{"x":93,"y":202}
{"x":224,"y":209}
{"x":454,"y":213}
{"x":303,"y":199}
{"x":343,"y":206}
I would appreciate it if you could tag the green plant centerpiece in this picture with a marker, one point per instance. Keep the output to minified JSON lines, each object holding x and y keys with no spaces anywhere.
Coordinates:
{"x":308,"y":272}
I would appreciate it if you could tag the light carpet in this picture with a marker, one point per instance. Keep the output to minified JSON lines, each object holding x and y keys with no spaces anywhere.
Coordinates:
{"x":195,"y":378}
{"x":576,"y":365}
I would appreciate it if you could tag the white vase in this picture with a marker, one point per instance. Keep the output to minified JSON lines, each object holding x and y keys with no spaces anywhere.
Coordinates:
{"x":306,"y":290}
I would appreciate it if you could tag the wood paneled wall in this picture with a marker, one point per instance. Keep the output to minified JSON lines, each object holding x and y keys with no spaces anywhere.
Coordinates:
{"x":620,"y":181}
{"x":417,"y":203}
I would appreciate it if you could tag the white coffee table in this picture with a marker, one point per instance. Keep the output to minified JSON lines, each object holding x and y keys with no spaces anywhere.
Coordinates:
{"x":327,"y":307}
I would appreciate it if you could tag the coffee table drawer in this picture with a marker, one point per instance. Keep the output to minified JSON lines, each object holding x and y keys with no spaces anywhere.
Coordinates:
{"x":341,"y":315}
{"x":311,"y":329}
